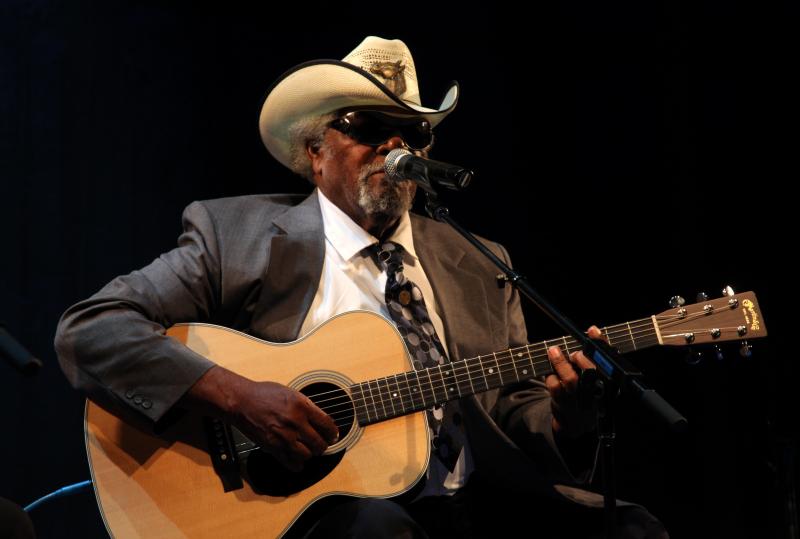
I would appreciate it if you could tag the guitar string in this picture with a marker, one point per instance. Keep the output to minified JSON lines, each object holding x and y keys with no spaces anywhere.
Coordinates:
{"x":460,"y":377}
{"x":462,"y":368}
{"x":531,"y":350}
{"x":631,"y":337}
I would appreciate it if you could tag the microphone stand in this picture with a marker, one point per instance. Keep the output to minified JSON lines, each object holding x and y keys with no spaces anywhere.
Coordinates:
{"x":613,"y":375}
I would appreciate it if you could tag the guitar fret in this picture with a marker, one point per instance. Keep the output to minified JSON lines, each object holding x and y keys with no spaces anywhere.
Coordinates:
{"x":428,"y":388}
{"x":512,"y":360}
{"x":499,"y":370}
{"x":633,"y":340}
{"x":415,"y":390}
{"x":546,"y":366}
{"x":520,"y":356}
{"x":377,"y":390}
{"x":360,"y":404}
{"x":504,"y":364}
{"x":479,"y":375}
{"x":458,"y":376}
{"x":469,"y":378}
{"x":490,"y":373}
{"x":529,"y":360}
{"x":395,"y":394}
{"x":405,"y":396}
{"x":374,"y":402}
{"x":387,"y":393}
{"x":409,"y":398}
{"x":450,"y":382}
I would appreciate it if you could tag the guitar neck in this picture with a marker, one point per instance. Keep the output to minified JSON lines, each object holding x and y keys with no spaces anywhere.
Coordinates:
{"x":413,"y":391}
{"x":724,"y":319}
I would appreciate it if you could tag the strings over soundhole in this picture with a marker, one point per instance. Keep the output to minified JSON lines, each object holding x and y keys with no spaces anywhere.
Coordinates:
{"x":335,"y":402}
{"x":267,"y":476}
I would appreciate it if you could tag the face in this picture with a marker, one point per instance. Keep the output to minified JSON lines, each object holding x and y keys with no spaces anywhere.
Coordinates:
{"x":351,"y":175}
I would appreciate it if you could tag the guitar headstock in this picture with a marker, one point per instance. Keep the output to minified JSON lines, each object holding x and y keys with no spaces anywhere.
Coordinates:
{"x":731,"y":318}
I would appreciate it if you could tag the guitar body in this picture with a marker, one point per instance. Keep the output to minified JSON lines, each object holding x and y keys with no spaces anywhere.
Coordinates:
{"x":166,"y":486}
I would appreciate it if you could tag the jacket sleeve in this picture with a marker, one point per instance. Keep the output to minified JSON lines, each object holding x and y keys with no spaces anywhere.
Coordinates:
{"x":113,"y":345}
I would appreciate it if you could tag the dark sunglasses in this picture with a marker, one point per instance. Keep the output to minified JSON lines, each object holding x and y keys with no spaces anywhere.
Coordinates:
{"x":373,"y":129}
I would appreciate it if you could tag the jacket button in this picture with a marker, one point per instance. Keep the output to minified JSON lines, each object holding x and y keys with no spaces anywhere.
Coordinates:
{"x":146,"y":403}
{"x":137,"y":399}
{"x":129,"y":393}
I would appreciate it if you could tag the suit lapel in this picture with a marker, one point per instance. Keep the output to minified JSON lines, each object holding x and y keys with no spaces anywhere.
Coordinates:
{"x":295,"y":266}
{"x":458,"y":286}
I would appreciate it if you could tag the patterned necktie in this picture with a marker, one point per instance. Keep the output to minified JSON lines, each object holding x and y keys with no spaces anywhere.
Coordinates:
{"x":407,"y":309}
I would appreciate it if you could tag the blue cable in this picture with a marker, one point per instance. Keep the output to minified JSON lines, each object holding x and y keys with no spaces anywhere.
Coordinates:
{"x":65,"y":491}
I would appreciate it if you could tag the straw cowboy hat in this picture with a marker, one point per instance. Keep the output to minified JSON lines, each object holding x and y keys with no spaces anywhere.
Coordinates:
{"x":379,"y":74}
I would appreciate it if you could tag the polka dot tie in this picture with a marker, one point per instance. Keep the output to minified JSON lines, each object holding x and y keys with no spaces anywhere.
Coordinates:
{"x":407,"y":309}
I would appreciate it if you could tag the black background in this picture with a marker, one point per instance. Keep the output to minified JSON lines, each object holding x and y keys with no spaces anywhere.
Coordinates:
{"x":626,"y":152}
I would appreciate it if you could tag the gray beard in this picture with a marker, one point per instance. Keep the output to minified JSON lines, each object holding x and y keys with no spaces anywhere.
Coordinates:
{"x":395,"y":201}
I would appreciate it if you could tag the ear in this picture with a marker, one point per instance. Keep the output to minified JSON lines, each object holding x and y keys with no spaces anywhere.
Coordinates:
{"x":314,"y":152}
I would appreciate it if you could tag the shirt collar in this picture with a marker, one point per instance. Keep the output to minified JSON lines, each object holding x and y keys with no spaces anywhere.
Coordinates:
{"x":349,"y":239}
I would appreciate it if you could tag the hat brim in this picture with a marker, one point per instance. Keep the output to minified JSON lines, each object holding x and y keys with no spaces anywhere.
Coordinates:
{"x":323,"y":86}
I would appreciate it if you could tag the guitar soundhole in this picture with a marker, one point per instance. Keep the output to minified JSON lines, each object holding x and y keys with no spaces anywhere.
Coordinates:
{"x":267,"y":476}
{"x":335,"y":402}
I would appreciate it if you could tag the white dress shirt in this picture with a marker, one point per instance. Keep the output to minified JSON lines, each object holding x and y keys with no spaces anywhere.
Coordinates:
{"x":351,"y":280}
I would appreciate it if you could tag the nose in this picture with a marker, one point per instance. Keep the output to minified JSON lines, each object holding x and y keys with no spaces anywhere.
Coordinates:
{"x":392,"y":143}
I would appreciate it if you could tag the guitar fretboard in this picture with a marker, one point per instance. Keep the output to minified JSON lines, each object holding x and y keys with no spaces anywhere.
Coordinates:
{"x":413,"y":391}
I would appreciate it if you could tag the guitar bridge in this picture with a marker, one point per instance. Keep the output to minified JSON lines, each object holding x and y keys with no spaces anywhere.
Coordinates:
{"x":224,"y":458}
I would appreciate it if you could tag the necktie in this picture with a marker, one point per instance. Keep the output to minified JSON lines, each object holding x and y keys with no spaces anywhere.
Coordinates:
{"x":409,"y":313}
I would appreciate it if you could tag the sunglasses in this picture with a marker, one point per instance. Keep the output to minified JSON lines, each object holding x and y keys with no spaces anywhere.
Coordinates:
{"x":374,"y":128}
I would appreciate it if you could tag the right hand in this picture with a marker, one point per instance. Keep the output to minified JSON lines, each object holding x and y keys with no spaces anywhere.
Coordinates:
{"x":284,"y":422}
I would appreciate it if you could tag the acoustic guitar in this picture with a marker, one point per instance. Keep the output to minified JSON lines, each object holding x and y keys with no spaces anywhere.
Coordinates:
{"x":203,"y":478}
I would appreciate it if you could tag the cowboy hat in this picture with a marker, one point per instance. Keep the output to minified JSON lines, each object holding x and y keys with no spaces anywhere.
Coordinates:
{"x":379,"y":74}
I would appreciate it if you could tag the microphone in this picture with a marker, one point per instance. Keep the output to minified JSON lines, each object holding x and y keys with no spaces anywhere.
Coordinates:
{"x":16,"y":354}
{"x":401,"y":164}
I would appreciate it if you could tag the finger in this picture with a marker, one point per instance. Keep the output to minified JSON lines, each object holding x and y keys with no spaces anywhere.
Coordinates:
{"x":564,"y":370}
{"x":595,"y":333}
{"x":322,"y":423}
{"x":300,"y":452}
{"x":579,"y":360}
{"x":313,"y":440}
{"x":554,"y":386}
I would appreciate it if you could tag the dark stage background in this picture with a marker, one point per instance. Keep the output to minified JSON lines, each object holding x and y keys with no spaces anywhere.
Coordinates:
{"x":625,"y":153}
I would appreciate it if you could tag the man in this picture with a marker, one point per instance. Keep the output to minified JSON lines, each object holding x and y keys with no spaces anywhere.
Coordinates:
{"x":276,"y":269}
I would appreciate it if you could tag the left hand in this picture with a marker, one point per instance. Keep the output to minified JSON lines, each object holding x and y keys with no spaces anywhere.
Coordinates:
{"x":571,"y":418}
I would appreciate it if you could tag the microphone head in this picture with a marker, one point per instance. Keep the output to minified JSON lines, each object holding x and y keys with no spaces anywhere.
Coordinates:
{"x":392,"y":161}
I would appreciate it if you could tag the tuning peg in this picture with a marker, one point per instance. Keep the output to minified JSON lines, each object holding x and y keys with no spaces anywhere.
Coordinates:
{"x":701,"y":297}
{"x":727,"y":291}
{"x":676,"y":301}
{"x":746,"y":349}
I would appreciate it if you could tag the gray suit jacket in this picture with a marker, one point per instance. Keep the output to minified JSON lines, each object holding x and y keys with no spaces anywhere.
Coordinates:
{"x":253,"y":264}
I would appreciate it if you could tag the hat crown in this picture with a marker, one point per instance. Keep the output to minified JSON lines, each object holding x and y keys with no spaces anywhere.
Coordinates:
{"x":378,"y":74}
{"x":390,"y":62}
